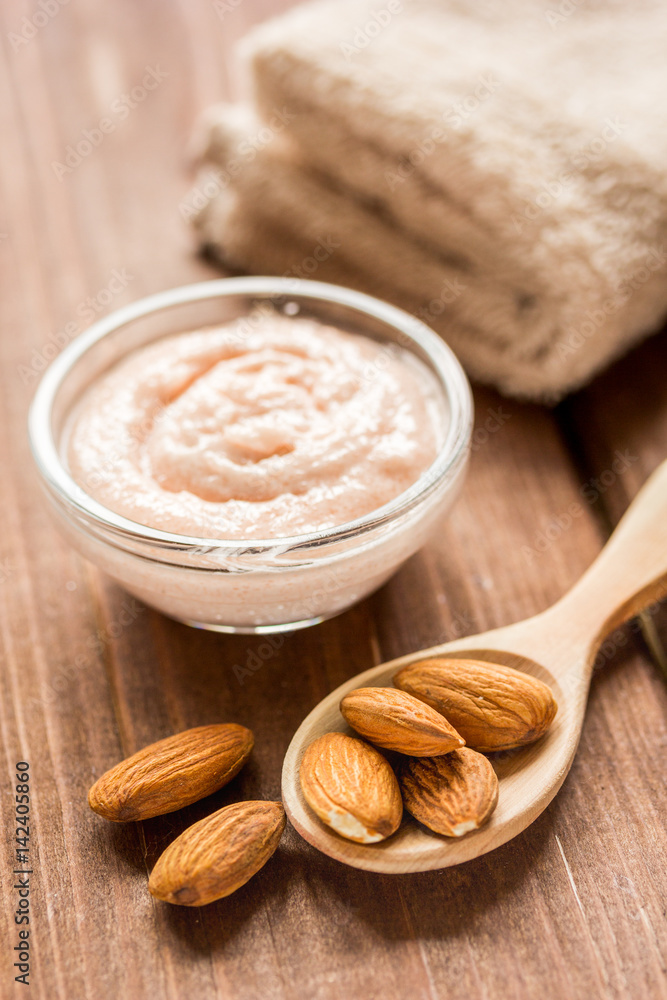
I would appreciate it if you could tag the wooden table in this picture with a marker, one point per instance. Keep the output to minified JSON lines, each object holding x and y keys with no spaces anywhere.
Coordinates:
{"x":574,"y":907}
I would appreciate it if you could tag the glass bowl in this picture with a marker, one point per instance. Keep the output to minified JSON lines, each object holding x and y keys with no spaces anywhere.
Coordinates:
{"x":262,"y":585}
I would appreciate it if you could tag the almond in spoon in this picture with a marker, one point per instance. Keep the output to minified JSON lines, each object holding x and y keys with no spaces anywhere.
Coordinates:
{"x":396,"y":720}
{"x":493,"y":707}
{"x":453,"y":794}
{"x":172,"y":773}
{"x":351,"y":787}
{"x":217,"y":855}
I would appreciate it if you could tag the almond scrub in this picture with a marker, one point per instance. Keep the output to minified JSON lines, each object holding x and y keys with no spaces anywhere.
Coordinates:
{"x":257,"y":473}
{"x":289,"y":429}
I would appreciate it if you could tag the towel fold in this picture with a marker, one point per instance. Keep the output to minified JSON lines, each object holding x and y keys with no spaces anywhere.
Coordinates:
{"x":496,"y":169}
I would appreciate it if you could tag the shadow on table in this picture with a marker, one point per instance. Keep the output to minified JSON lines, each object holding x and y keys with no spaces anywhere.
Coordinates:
{"x":400,"y":907}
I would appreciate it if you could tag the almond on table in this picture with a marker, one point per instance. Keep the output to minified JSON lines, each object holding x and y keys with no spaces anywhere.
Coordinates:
{"x":351,"y":787}
{"x":493,"y":707}
{"x":396,"y":720}
{"x":453,"y":794}
{"x":172,"y":773}
{"x":219,"y":854}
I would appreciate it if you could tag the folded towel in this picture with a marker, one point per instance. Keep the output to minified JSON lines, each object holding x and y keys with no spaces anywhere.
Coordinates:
{"x":498,"y":169}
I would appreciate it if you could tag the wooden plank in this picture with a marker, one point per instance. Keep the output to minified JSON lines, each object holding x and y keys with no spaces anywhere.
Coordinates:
{"x":618,"y":429}
{"x":568,"y":910}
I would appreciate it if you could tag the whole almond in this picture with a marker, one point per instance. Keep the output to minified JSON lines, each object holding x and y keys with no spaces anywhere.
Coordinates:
{"x":351,"y":787}
{"x":493,"y":707}
{"x":172,"y":773}
{"x":396,"y":720}
{"x":217,"y":855}
{"x":453,"y":794}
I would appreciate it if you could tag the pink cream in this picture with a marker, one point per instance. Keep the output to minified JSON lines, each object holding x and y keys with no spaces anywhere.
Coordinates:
{"x":275,"y":427}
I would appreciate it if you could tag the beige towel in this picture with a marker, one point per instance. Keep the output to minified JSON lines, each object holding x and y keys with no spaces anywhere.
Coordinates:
{"x":498,"y":169}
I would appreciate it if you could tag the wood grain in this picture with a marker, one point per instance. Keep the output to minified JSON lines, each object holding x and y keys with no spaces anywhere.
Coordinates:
{"x":572,"y":909}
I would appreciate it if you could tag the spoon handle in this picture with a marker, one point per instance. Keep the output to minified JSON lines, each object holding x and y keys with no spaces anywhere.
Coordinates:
{"x":631,"y":571}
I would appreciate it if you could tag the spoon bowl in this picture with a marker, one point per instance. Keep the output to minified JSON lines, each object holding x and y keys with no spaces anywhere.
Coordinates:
{"x":558,"y":647}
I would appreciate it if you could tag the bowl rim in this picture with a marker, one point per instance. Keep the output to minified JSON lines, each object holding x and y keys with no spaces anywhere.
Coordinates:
{"x":452,"y":378}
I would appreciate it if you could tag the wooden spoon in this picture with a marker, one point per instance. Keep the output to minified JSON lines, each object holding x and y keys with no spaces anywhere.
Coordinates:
{"x":558,"y":646}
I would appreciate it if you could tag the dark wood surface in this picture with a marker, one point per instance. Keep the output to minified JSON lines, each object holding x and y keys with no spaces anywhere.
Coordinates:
{"x":574,"y":908}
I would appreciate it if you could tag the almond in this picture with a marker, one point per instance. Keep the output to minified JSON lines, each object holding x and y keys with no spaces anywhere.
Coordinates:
{"x":493,"y":707}
{"x":453,"y":794}
{"x":397,"y":721}
{"x":217,"y":855}
{"x":351,"y":787}
{"x":171,"y":773}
